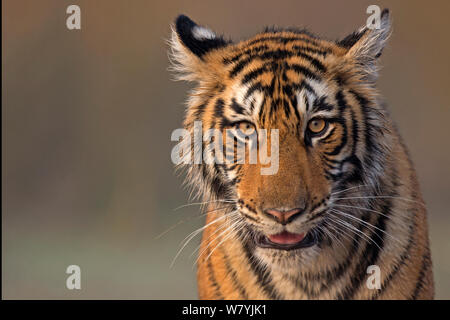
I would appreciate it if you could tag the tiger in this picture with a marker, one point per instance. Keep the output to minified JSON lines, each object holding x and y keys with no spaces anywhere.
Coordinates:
{"x":343,"y":216}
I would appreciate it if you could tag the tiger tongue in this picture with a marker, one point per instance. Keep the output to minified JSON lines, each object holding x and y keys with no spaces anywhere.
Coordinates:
{"x":286,"y":237}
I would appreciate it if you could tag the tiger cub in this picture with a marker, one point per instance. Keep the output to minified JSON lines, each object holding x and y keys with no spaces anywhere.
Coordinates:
{"x":341,"y":214}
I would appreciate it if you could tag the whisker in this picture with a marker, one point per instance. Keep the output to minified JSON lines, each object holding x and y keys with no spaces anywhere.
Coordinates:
{"x":228,"y":230}
{"x":354,"y":229}
{"x":338,"y":231}
{"x":192,"y":236}
{"x":230,"y":234}
{"x":359,"y":186}
{"x":361,"y":208}
{"x":188,"y":219}
{"x":343,"y":231}
{"x":343,"y":228}
{"x":330,"y":234}
{"x":169,"y":229}
{"x":202,"y":203}
{"x":232,"y":219}
{"x":365,"y":222}
{"x":381,"y":197}
{"x":195,"y":232}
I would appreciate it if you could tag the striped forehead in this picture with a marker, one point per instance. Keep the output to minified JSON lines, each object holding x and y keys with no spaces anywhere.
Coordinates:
{"x":304,"y":98}
{"x":271,"y":52}
{"x":275,"y":69}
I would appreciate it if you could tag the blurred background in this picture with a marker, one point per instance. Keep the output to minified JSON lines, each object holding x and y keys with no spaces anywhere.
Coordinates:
{"x":87,"y":117}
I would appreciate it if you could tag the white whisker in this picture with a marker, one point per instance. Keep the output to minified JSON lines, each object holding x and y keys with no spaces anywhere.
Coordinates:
{"x":330,"y":234}
{"x":193,"y":234}
{"x":230,"y":230}
{"x":227,"y":229}
{"x":203,"y":203}
{"x":354,"y":229}
{"x":359,"y":186}
{"x":360,"y":208}
{"x":232,"y":220}
{"x":381,"y":197}
{"x":364,"y":222}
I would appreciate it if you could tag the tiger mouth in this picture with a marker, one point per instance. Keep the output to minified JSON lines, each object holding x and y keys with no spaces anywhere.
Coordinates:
{"x":286,"y":241}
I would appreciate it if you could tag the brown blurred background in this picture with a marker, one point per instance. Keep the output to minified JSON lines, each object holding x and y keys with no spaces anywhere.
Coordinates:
{"x":87,"y":118}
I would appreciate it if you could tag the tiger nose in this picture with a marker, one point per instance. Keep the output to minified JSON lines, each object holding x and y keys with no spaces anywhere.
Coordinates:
{"x":284,"y":216}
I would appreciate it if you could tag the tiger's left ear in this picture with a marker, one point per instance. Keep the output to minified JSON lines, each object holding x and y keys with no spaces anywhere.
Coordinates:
{"x":190,"y":44}
{"x":366,"y":45}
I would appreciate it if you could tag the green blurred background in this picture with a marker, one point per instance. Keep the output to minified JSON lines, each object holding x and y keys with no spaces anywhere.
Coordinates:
{"x":87,"y":117}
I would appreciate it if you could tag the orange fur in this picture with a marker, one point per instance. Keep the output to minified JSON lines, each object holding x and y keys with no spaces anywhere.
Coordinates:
{"x":353,"y":184}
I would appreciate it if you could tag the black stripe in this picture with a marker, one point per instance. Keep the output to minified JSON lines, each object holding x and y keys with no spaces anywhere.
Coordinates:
{"x":426,"y":263}
{"x":342,"y":104}
{"x":371,"y":147}
{"x":266,"y":67}
{"x":322,"y":51}
{"x":233,"y":275}
{"x":219,"y":116}
{"x":295,"y":107}
{"x":284,"y":39}
{"x":238,"y":67}
{"x":287,"y":108}
{"x":218,"y":108}
{"x":316,"y":63}
{"x":262,"y":110}
{"x":278,"y":54}
{"x":217,"y":185}
{"x":355,"y":176}
{"x":247,"y":53}
{"x":262,"y":274}
{"x":212,"y":277}
{"x":302,"y":70}
{"x":355,"y":130}
{"x":319,"y":104}
{"x":304,"y":85}
{"x":254,"y":87}
{"x":237,"y":107}
{"x":199,"y":110}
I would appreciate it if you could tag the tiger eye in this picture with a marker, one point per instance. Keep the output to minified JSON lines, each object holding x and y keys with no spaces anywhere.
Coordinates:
{"x":245,"y":127}
{"x":316,"y":125}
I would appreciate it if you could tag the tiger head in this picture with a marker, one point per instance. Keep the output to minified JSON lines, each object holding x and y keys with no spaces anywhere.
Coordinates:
{"x":318,"y":96}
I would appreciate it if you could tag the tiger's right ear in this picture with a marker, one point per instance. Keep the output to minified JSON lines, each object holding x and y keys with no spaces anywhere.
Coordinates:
{"x":190,"y":44}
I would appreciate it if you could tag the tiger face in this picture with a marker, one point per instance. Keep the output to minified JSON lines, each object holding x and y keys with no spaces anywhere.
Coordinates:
{"x":284,"y":206}
{"x":320,"y":98}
